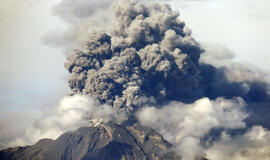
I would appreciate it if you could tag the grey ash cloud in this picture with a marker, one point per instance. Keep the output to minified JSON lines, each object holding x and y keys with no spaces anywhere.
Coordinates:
{"x":148,"y":67}
{"x":150,"y":54}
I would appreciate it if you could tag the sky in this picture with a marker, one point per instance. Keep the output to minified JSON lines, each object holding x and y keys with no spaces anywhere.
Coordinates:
{"x":32,"y":72}
{"x":28,"y":67}
{"x":241,"y":26}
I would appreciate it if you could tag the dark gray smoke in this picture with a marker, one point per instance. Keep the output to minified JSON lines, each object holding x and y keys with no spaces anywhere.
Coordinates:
{"x":232,"y":81}
{"x":151,"y":57}
{"x":150,"y":54}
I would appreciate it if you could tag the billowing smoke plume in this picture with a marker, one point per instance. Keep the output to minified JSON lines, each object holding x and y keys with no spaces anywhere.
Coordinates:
{"x":150,"y":54}
{"x":226,"y":78}
{"x":150,"y":58}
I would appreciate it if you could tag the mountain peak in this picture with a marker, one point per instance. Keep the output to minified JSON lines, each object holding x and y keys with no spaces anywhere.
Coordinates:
{"x":100,"y":141}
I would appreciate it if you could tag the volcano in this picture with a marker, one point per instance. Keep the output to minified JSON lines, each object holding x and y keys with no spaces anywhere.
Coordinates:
{"x":99,"y":141}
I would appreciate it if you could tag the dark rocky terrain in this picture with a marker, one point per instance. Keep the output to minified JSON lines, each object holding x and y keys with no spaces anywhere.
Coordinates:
{"x":98,"y":142}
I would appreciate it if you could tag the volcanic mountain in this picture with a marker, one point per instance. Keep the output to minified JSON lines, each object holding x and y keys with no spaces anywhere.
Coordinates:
{"x":99,"y":141}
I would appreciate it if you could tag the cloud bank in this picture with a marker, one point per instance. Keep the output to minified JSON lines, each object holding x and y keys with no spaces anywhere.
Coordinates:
{"x":253,"y":144}
{"x":186,"y":124}
{"x":71,"y":112}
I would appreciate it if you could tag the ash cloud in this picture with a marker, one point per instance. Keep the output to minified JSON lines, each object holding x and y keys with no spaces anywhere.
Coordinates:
{"x":150,"y":59}
{"x":150,"y":54}
{"x":227,"y":78}
{"x":81,"y":17}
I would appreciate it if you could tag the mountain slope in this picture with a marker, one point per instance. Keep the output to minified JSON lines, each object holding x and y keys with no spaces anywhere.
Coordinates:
{"x":102,"y":142}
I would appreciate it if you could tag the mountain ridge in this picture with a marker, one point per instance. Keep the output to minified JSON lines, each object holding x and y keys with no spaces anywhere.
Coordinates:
{"x":99,"y":141}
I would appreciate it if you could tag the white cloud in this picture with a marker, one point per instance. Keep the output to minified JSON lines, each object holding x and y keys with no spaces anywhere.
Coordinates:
{"x":254,"y":144}
{"x":185,"y":124}
{"x":71,"y":113}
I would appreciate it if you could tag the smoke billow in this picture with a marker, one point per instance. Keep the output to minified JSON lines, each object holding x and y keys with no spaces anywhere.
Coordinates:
{"x":148,"y":69}
{"x":226,"y":78}
{"x":150,"y":54}
{"x":186,"y":124}
{"x":150,"y":59}
{"x":254,"y":144}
